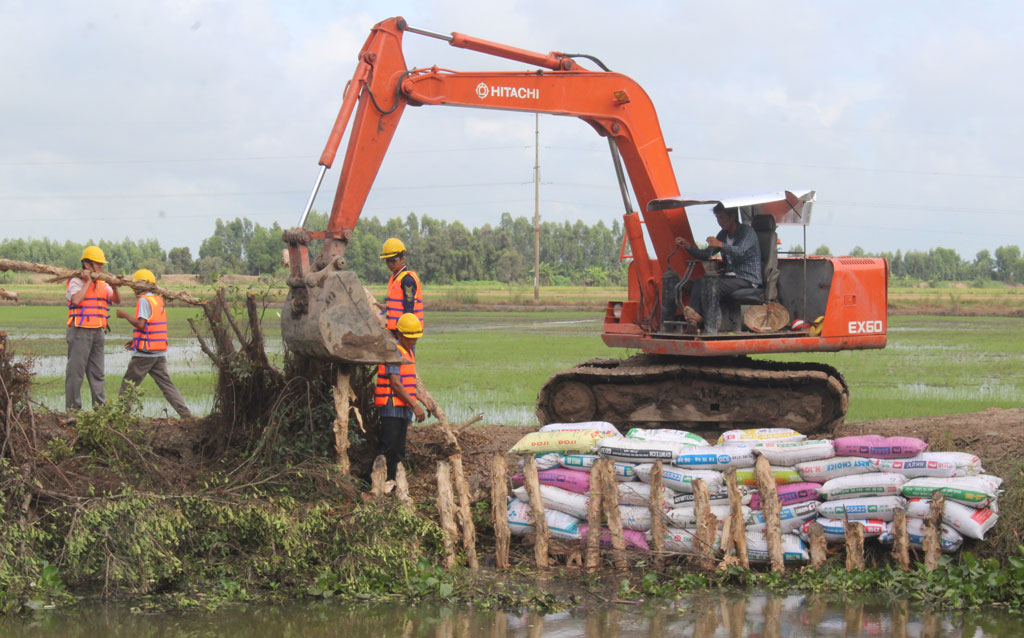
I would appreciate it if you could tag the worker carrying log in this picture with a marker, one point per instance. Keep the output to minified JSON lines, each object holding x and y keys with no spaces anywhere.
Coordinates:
{"x":405,"y":292}
{"x":89,"y":303}
{"x":149,"y":344}
{"x":395,"y":395}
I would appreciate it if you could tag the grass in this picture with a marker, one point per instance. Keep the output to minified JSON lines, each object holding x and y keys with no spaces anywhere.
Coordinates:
{"x":495,"y":362}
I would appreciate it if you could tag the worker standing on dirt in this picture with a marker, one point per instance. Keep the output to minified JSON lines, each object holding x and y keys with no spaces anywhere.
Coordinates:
{"x":88,"y":310}
{"x":395,"y":396}
{"x":149,"y":343}
{"x":741,"y":257}
{"x":405,"y":293}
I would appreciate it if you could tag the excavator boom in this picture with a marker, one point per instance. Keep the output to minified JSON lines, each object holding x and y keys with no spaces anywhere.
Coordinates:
{"x":849,"y":294}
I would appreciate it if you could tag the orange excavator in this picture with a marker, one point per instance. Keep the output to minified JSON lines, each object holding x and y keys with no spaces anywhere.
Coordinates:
{"x":703,"y":380}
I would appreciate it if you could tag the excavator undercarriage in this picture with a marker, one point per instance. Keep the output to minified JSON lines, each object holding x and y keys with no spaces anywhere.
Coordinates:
{"x":698,"y":394}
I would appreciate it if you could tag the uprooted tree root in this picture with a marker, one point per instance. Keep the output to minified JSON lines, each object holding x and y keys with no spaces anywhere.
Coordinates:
{"x":110,"y":502}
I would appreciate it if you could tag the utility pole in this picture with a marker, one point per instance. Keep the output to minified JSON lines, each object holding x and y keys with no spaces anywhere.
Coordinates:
{"x":536,"y":208}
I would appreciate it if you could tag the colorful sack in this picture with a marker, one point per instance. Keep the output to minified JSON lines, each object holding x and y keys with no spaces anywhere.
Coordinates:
{"x":858,"y":485}
{"x":571,"y":441}
{"x":758,"y":435}
{"x":835,"y":467}
{"x":789,"y":494}
{"x":879,"y":447}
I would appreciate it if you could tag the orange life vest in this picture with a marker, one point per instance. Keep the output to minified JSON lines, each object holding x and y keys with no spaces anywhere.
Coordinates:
{"x":395,"y":307}
{"x":153,"y":336}
{"x":407,"y":371}
{"x":94,"y":310}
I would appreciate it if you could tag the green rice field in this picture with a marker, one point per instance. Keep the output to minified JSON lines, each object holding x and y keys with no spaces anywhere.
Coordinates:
{"x":495,"y":362}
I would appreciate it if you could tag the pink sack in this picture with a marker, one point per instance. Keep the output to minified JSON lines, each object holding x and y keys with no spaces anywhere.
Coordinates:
{"x":633,"y":538}
{"x":879,"y":447}
{"x":789,"y":494}
{"x":571,"y":480}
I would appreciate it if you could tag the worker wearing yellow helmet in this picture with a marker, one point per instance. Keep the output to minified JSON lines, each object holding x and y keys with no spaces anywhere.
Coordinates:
{"x":89,"y":303}
{"x":405,"y":292}
{"x":395,"y":395}
{"x":149,"y":344}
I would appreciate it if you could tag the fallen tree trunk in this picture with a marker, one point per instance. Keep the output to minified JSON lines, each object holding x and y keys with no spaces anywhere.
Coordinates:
{"x":60,"y":274}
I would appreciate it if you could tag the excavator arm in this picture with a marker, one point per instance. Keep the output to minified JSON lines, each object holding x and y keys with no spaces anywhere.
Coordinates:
{"x":614,"y":105}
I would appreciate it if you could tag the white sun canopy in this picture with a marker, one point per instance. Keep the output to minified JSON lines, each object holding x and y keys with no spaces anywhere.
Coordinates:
{"x":787,"y":207}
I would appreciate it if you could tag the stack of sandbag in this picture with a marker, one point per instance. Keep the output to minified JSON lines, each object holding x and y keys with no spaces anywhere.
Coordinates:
{"x":862,"y":479}
{"x":565,"y":455}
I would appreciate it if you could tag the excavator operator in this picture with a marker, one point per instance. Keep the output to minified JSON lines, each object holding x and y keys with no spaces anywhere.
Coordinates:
{"x":741,"y":262}
{"x":405,"y":293}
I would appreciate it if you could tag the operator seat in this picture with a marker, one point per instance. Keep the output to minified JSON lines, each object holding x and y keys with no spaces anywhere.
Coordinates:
{"x":767,"y":239}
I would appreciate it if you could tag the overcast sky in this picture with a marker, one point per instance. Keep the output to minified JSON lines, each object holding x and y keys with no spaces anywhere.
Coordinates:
{"x":151,"y":119}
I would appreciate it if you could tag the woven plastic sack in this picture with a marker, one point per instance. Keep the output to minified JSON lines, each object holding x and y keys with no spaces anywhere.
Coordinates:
{"x":681,"y":541}
{"x":634,"y":539}
{"x":881,"y":508}
{"x":760,"y":435}
{"x":585,"y":462}
{"x":793,"y":549}
{"x":835,"y":531}
{"x":976,"y":491}
{"x":783,"y":476}
{"x":835,"y":467}
{"x":789,"y":494}
{"x":926,"y":464}
{"x":544,"y":461}
{"x":715,"y":457}
{"x":600,"y":426}
{"x":719,"y":497}
{"x":555,"y":498}
{"x":793,"y":452}
{"x":635,"y":517}
{"x":791,"y":517}
{"x":639,"y":493}
{"x":950,"y":540}
{"x":970,"y":522}
{"x":686,"y":517}
{"x":572,"y":441}
{"x":664,"y":434}
{"x":859,"y":485}
{"x":879,"y":447}
{"x":560,"y":524}
{"x":572,"y":480}
{"x":637,"y":451}
{"x":681,"y":480}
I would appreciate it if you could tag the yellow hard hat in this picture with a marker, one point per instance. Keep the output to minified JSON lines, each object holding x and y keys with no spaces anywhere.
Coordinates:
{"x":93,"y":253}
{"x":144,"y":274}
{"x":816,"y":326}
{"x":392,"y":247}
{"x":409,"y":326}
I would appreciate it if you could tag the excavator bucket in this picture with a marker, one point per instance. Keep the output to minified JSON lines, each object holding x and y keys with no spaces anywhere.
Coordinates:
{"x":329,"y":315}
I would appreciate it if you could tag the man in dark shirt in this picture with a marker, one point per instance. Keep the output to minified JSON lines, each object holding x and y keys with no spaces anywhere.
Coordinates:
{"x":741,"y":257}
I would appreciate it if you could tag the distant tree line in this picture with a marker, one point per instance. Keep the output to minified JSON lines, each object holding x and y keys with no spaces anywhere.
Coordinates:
{"x":944,"y":264}
{"x":440,"y":251}
{"x":448,"y":252}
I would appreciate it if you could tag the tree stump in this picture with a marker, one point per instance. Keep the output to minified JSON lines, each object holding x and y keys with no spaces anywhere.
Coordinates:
{"x":657,"y":508}
{"x":465,"y":513}
{"x":342,"y":393}
{"x":541,"y":534}
{"x":819,"y":546}
{"x":499,"y":511}
{"x":610,"y":505}
{"x":932,"y":530}
{"x":770,"y":508}
{"x":593,"y":554}
{"x":901,"y":543}
{"x":446,"y":511}
{"x":854,"y":533}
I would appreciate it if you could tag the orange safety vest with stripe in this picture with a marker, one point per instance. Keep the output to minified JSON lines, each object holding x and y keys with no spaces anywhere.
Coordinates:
{"x":94,"y":310}
{"x":153,"y":336}
{"x":384,"y":395}
{"x":394,"y":306}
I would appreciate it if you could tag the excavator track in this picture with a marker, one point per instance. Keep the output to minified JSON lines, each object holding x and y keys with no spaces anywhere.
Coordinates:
{"x":705,"y":394}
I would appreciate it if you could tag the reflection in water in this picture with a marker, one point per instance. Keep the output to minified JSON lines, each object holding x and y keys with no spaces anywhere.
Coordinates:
{"x":732,"y":615}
